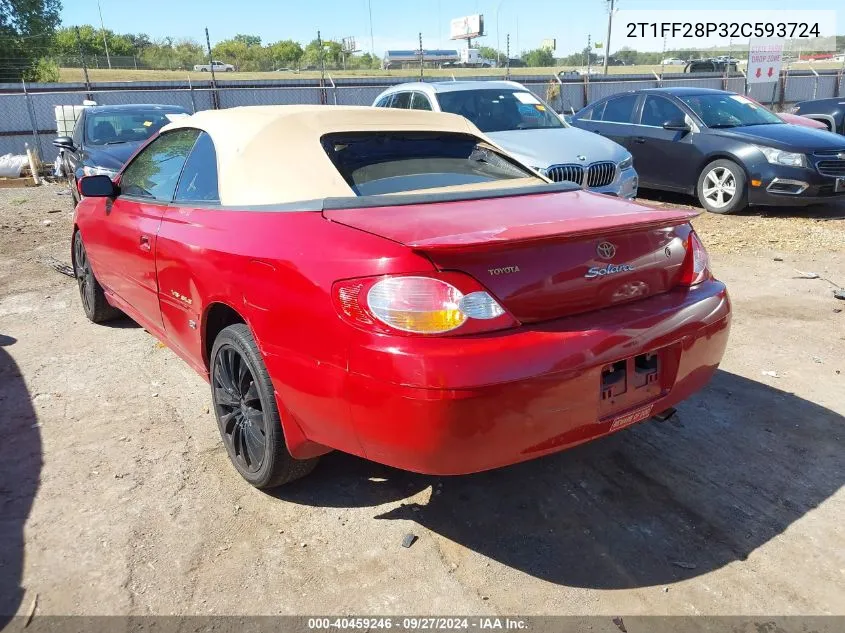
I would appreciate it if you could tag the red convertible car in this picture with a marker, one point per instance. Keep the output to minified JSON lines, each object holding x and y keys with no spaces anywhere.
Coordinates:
{"x":391,"y":284}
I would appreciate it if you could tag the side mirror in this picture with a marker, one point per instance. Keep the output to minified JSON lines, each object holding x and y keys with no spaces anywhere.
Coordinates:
{"x":98,"y":187}
{"x":64,"y":142}
{"x":676,"y":124}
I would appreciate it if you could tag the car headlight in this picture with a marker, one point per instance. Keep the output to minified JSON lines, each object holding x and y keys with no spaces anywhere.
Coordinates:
{"x":88,"y":170}
{"x":779,"y":157}
{"x":626,"y":162}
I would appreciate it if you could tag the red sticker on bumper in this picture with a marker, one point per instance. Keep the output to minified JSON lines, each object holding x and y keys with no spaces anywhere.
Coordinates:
{"x":637,"y":415}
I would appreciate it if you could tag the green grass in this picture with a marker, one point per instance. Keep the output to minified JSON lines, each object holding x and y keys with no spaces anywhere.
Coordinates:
{"x":96,"y":75}
{"x":100,"y":74}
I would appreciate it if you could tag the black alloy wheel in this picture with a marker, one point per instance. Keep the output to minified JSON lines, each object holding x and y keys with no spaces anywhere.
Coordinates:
{"x":239,"y":409}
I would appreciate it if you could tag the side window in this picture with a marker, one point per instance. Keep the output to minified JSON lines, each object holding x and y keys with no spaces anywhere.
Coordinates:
{"x":420,"y":102}
{"x":658,"y":110}
{"x":155,"y":171}
{"x":384,"y":102}
{"x":593,"y":113}
{"x":77,"y":129}
{"x":198,"y":181}
{"x":618,"y":110}
{"x":401,"y":100}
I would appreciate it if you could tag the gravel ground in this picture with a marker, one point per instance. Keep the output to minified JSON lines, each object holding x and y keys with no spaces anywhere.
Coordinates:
{"x":116,"y":496}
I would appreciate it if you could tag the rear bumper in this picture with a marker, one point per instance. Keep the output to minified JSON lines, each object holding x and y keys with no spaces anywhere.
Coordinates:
{"x":450,"y":406}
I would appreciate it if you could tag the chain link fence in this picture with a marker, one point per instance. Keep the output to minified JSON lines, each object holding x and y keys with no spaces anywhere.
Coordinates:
{"x":29,"y":112}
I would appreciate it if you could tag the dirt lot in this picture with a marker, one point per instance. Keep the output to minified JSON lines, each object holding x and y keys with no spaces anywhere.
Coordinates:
{"x":116,"y":495}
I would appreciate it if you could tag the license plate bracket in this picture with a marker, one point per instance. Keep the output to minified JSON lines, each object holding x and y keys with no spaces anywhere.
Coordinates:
{"x":632,"y":382}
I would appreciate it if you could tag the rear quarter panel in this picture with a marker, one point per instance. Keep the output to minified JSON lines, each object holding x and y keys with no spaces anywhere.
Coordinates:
{"x":276,"y":269}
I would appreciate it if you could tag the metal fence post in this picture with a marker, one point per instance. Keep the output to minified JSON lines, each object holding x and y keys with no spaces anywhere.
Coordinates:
{"x":815,"y":82}
{"x":334,"y":88}
{"x":559,"y":92}
{"x":32,"y":121}
{"x":191,"y":93}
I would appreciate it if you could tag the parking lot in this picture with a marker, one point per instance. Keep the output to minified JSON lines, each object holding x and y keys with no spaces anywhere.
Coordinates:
{"x":116,"y":495}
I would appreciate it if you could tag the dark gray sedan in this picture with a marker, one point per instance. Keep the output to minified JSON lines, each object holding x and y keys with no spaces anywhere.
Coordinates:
{"x":104,"y":137}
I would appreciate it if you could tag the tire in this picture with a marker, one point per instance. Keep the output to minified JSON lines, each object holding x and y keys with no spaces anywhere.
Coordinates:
{"x":94,"y":302}
{"x":246,"y":412}
{"x":203,"y":70}
{"x":722,"y":187}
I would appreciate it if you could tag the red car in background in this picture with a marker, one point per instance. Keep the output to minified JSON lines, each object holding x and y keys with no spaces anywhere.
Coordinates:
{"x":391,"y":284}
{"x":794,"y":119}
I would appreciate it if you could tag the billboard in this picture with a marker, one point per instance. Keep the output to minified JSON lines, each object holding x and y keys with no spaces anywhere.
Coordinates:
{"x":467,"y":27}
{"x":549,"y":44}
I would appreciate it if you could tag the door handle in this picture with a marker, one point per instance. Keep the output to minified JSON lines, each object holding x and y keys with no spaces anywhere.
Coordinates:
{"x":144,"y":243}
{"x":639,"y":139}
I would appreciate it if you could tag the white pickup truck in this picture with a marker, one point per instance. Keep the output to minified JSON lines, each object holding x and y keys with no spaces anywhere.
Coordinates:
{"x":219,"y":67}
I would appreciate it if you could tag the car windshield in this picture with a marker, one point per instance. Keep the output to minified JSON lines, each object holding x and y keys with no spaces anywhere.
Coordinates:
{"x":497,"y":110}
{"x":729,"y":110}
{"x":110,"y":128}
{"x":396,"y":162}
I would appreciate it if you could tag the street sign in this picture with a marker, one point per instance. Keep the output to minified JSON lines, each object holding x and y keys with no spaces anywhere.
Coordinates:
{"x":765,"y":56}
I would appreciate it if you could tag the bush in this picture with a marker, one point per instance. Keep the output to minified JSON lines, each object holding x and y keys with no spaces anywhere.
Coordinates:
{"x":44,"y":70}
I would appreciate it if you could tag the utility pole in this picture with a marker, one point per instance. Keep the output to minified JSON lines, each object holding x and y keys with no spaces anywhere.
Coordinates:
{"x":82,"y":59}
{"x":372,"y":39}
{"x":589,"y":54}
{"x":215,"y":98}
{"x":609,"y":26}
{"x":103,"y":28}
{"x":421,"y":58}
{"x":324,"y":97}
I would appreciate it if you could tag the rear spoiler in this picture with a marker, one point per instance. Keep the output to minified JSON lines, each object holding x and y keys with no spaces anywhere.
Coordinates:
{"x":563,"y":230}
{"x":483,"y":222}
{"x":398,"y":200}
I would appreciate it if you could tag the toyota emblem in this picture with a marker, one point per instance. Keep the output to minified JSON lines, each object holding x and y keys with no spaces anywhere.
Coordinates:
{"x":841,"y":156}
{"x":606,"y":250}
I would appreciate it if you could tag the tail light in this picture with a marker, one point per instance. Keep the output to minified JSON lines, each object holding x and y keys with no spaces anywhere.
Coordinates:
{"x":697,"y":262}
{"x":438,"y":303}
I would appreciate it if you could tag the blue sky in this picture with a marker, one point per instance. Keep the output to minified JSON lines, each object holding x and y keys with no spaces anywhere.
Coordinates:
{"x":395,"y":22}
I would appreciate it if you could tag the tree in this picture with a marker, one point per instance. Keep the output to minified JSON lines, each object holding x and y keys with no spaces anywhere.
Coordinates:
{"x":332,"y":54}
{"x":26,"y":33}
{"x":539,"y":57}
{"x":626,"y":55}
{"x":286,"y":53}
{"x":248,"y":57}
{"x":248,"y":40}
{"x":488,"y":52}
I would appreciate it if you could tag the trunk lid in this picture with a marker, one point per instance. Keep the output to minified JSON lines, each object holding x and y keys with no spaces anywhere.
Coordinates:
{"x":543,"y":256}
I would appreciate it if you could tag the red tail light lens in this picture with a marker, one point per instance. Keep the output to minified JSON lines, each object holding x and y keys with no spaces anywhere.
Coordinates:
{"x":431,"y":304}
{"x":697,"y":263}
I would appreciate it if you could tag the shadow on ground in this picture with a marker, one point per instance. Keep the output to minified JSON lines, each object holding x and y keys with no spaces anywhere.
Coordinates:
{"x":20,"y":470}
{"x":654,"y":504}
{"x":829,"y":211}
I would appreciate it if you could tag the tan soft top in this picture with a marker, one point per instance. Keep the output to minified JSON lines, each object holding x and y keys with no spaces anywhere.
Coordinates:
{"x":273,"y":154}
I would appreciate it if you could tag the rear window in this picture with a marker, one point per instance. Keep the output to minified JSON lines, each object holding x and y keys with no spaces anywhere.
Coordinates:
{"x":396,"y":162}
{"x":111,"y":128}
